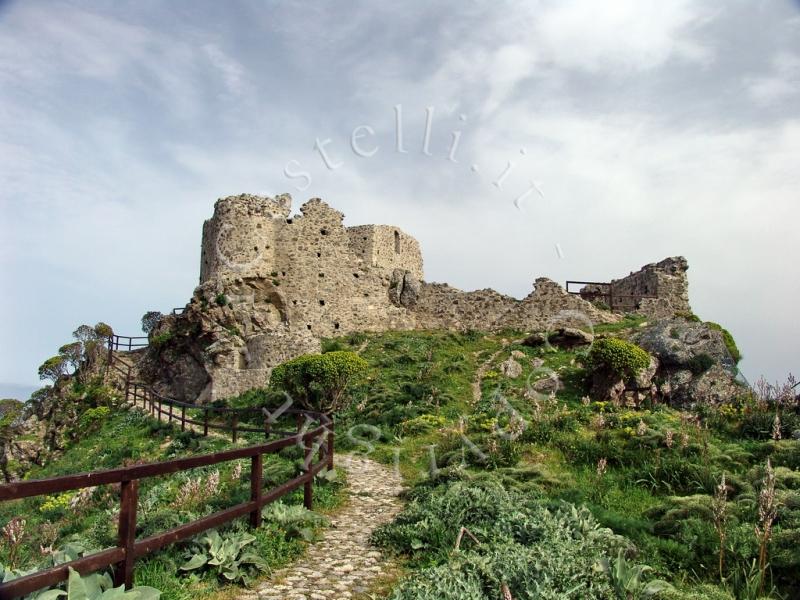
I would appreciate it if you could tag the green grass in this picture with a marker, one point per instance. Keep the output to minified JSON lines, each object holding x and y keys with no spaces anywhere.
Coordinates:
{"x":415,"y":405}
{"x":128,"y":437}
{"x":640,"y":494}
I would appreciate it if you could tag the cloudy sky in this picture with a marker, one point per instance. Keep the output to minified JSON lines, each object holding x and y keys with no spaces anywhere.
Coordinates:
{"x":634,"y":130}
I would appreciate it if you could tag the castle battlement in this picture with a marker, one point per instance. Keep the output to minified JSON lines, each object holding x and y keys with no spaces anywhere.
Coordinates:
{"x":254,"y":236}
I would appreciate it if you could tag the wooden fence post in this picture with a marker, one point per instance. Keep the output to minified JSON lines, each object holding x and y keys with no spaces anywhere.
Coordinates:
{"x":129,"y":492}
{"x":256,"y":488}
{"x":110,"y":351}
{"x":183,"y":418}
{"x":170,"y":412}
{"x":308,"y":487}
{"x":330,"y":446}
{"x":234,"y":423}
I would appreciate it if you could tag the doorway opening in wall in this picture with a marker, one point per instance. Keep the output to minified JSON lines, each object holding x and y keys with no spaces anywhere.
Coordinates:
{"x":397,"y":242}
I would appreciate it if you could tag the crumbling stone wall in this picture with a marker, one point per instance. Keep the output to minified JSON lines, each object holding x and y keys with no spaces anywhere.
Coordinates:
{"x":273,"y":285}
{"x":666,"y":280}
{"x":240,"y":238}
{"x":386,"y":247}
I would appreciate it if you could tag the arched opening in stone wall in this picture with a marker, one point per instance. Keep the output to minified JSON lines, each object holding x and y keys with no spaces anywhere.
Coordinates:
{"x":397,"y":242}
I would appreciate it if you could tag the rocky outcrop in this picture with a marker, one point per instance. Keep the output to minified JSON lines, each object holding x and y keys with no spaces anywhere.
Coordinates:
{"x":227,"y":340}
{"x":677,"y":343}
{"x":695,"y":366}
{"x":609,"y":386}
{"x":404,"y":289}
{"x":511,"y":368}
{"x":562,"y":337}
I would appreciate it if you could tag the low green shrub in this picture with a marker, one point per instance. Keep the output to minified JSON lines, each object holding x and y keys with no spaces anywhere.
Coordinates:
{"x":620,"y":357}
{"x":91,"y":420}
{"x":319,"y":381}
{"x":162,"y":338}
{"x":533,"y":549}
{"x":227,"y":556}
{"x":296,"y":521}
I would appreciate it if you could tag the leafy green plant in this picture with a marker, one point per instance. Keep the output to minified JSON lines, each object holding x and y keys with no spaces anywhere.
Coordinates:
{"x":227,"y":556}
{"x":295,"y":520}
{"x":10,"y":412}
{"x":97,"y":586}
{"x":319,"y":381}
{"x":162,"y":338}
{"x":748,"y":582}
{"x":618,"y":356}
{"x":628,"y":582}
{"x":91,"y":419}
{"x":423,"y":423}
{"x":150,"y":320}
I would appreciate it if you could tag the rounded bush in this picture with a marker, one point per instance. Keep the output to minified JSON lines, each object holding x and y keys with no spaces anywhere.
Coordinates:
{"x":319,"y":381}
{"x":618,"y":356}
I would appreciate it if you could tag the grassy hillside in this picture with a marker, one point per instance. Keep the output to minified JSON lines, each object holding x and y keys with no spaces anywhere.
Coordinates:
{"x":86,"y":520}
{"x":501,"y":460}
{"x":561,"y":495}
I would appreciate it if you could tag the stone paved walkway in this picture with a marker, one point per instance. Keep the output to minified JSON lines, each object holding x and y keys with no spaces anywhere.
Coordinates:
{"x":342,"y":564}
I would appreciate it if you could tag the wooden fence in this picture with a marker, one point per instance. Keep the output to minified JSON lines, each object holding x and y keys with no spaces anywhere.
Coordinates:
{"x":314,"y":432}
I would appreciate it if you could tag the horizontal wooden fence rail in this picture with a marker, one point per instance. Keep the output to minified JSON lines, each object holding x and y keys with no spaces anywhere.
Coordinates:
{"x":314,"y":433}
{"x":126,"y":342}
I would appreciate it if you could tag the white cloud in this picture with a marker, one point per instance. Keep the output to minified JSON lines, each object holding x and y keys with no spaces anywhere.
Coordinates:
{"x":618,"y":36}
{"x":119,"y":129}
{"x":781,"y":83}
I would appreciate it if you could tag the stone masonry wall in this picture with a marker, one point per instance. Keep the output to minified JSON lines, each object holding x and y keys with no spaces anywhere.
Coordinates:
{"x":240,"y":238}
{"x":386,"y":247}
{"x":666,"y":280}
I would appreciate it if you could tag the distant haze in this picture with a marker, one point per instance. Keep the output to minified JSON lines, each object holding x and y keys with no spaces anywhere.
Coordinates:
{"x":636,"y":130}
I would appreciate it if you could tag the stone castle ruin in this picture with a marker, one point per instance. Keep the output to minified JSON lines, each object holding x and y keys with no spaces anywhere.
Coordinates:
{"x":272,"y":285}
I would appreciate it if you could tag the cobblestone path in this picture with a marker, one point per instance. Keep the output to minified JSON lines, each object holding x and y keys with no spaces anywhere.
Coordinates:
{"x":342,"y":564}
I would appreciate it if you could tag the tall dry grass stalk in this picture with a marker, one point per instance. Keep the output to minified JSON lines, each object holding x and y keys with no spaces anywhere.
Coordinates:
{"x":767,"y":512}
{"x":719,"y":508}
{"x":13,"y":534}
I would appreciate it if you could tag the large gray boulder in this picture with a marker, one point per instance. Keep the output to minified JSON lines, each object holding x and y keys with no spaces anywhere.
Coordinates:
{"x":563,"y":337}
{"x":675,"y":342}
{"x":404,"y":288}
{"x":695,"y":366}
